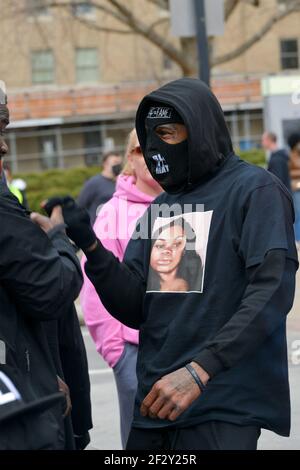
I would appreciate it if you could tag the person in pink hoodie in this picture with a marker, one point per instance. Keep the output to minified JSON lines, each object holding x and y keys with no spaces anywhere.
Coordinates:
{"x":114,"y":225}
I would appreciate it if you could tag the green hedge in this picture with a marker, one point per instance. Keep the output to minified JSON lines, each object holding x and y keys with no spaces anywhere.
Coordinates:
{"x":50,"y":183}
{"x":41,"y":186}
{"x":256,"y":156}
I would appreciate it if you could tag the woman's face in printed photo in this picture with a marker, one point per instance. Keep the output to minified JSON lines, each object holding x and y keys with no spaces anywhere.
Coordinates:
{"x":168,"y":250}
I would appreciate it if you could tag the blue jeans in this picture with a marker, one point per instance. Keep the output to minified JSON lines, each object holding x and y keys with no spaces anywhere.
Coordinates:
{"x":126,"y":381}
{"x":296,"y":196}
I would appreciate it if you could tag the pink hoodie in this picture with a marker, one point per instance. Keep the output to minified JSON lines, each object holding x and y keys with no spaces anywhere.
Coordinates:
{"x":114,"y":227}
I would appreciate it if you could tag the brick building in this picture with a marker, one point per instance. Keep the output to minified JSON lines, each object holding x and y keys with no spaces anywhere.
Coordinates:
{"x":73,"y":90}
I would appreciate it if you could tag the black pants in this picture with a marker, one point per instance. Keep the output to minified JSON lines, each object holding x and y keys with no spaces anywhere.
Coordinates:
{"x":213,"y":435}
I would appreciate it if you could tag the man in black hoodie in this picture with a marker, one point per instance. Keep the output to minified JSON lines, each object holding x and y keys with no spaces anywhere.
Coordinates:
{"x":212,"y":363}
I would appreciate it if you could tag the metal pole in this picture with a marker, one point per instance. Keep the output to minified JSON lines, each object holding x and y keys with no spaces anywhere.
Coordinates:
{"x":13,"y":152}
{"x":202,"y":43}
{"x":59,"y":148}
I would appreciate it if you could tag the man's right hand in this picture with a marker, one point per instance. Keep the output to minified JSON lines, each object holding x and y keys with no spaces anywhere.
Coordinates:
{"x":48,"y":223}
{"x":77,"y":220}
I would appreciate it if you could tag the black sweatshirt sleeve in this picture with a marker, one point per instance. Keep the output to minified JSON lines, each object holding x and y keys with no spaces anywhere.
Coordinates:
{"x":267,"y":300}
{"x":75,"y":370}
{"x":86,"y":195}
{"x":41,"y":278}
{"x":68,"y":257}
{"x":121,"y":289}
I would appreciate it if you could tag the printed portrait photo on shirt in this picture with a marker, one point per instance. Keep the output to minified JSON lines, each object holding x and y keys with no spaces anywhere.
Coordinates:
{"x":178,"y":253}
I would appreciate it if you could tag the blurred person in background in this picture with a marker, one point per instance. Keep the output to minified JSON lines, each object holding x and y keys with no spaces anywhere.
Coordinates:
{"x":100,"y":188}
{"x":278,"y":159}
{"x":21,"y":185}
{"x":13,"y":189}
{"x":294,"y":167}
{"x":115,"y":342}
{"x":17,"y":186}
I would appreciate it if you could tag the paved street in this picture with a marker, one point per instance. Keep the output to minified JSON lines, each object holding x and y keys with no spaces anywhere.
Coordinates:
{"x":105,"y":434}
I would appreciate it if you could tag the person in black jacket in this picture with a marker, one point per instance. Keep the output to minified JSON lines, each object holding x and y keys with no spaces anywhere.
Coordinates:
{"x":69,"y":355}
{"x":278,"y":162}
{"x":212,"y":363}
{"x":76,"y":374}
{"x":39,"y":280}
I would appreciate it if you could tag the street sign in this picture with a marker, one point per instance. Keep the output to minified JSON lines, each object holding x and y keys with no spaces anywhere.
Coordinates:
{"x":183,"y":18}
{"x":2,"y":92}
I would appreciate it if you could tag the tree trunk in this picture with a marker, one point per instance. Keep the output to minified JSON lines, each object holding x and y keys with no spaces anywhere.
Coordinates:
{"x":189,"y":50}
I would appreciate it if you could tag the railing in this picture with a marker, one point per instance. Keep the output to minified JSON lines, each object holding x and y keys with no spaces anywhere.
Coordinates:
{"x":64,"y":103}
{"x":237,"y":90}
{"x":113,"y":100}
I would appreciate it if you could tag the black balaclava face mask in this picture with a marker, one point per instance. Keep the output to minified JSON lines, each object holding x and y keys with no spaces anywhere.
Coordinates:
{"x":167,"y":163}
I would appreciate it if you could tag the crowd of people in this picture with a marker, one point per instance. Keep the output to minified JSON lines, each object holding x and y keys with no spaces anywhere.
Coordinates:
{"x":186,"y":279}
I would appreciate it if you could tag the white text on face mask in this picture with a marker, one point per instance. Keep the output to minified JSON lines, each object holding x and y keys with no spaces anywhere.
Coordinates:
{"x":161,"y":165}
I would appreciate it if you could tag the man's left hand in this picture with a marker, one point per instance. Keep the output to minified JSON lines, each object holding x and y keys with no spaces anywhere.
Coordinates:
{"x":63,"y":387}
{"x":173,"y":394}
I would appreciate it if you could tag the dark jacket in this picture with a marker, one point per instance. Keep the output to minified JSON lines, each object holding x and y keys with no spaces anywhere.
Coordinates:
{"x":39,"y":281}
{"x":76,"y":374}
{"x":279,"y":166}
{"x":69,"y":355}
{"x":96,"y":192}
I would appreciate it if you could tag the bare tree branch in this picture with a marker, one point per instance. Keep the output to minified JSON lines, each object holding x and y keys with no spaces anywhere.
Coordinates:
{"x":230,"y":6}
{"x":158,"y":22}
{"x":124,"y":16}
{"x":162,"y":4}
{"x":278,"y":16}
{"x":67,"y":5}
{"x":98,"y":6}
{"x":143,"y":29}
{"x":93,"y":26}
{"x":254,"y":3}
{"x":184,"y":55}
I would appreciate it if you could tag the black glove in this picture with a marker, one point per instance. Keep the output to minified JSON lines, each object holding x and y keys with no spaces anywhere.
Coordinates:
{"x":49,"y":205}
{"x":76,"y":219}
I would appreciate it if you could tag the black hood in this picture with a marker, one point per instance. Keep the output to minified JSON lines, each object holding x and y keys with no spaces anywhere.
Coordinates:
{"x":209,"y":142}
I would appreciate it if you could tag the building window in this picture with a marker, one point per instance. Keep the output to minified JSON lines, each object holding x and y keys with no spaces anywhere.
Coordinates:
{"x":37,"y":8}
{"x":48,"y":152}
{"x":289,"y":54}
{"x":92,"y":145}
{"x":87,"y":69}
{"x":245,"y":127}
{"x":83,"y":9}
{"x":42,"y":63}
{"x":283,"y":4}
